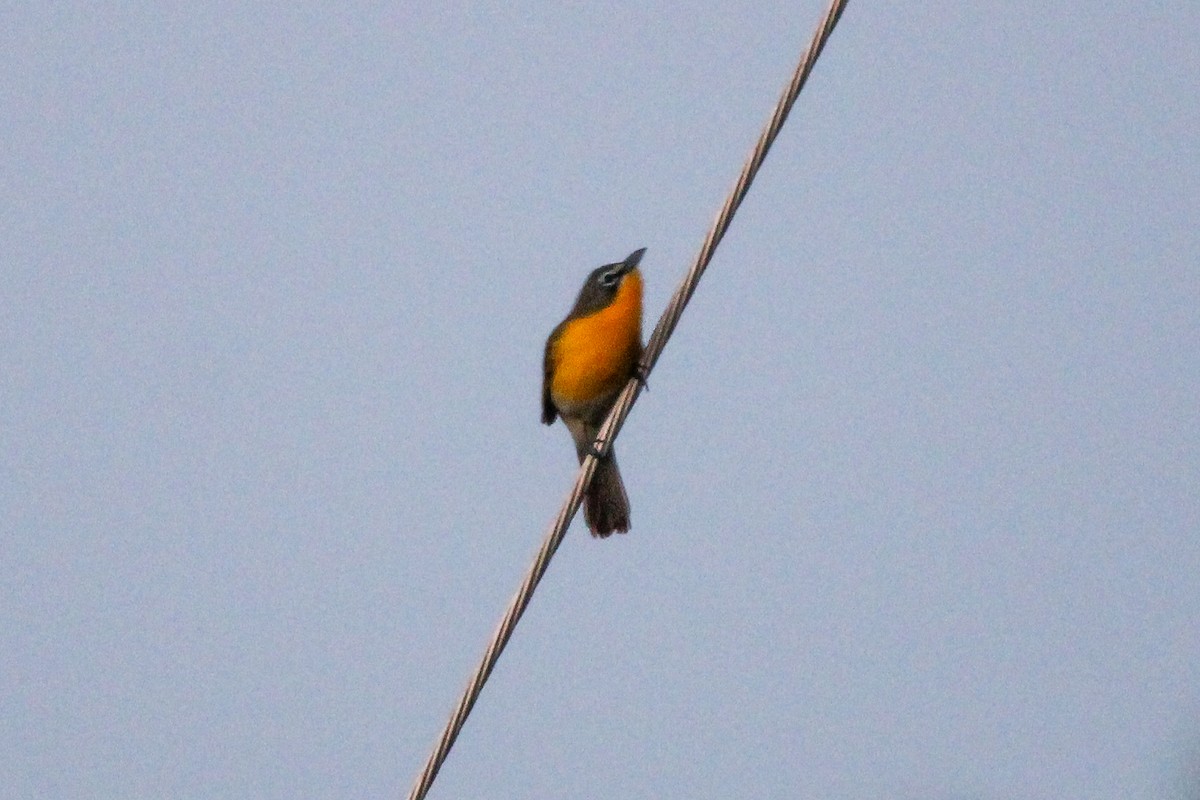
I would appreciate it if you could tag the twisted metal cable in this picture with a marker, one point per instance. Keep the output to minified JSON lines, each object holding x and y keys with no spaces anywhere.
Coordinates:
{"x":616,"y":418}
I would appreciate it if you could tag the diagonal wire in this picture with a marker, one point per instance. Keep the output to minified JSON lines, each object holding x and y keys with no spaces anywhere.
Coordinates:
{"x":616,"y":418}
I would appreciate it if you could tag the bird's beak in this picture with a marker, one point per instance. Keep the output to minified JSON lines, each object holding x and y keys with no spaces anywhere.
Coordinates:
{"x":632,"y":260}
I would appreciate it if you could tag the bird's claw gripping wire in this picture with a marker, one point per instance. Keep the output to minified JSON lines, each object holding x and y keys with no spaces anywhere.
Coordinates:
{"x":641,"y":372}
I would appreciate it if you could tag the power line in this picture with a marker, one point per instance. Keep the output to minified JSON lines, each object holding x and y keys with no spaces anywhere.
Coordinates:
{"x":616,"y":418}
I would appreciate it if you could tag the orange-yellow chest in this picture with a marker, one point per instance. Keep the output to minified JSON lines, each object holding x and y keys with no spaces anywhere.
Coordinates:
{"x":594,"y":356}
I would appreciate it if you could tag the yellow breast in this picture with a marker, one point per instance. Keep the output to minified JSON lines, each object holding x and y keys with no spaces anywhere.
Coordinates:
{"x":595,"y":355}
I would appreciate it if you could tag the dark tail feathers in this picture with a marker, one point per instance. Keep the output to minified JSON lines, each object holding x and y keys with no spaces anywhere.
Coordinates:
{"x":606,"y":506}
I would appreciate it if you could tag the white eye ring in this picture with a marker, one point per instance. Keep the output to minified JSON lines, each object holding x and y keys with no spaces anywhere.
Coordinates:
{"x":609,"y":278}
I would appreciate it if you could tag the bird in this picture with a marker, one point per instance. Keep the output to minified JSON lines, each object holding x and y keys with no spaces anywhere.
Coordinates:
{"x":589,"y":358}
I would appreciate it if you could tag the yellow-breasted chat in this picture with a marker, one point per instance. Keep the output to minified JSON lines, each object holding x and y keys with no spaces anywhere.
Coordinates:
{"x":590,"y":356}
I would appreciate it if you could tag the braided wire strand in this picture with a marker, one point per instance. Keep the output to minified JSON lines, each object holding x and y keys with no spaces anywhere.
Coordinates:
{"x":616,"y":418}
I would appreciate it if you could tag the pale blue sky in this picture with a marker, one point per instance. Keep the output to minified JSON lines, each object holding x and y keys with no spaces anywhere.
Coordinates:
{"x":914,"y":490}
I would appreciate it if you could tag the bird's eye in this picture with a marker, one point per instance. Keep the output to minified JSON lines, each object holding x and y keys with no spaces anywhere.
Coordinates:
{"x":609,"y":278}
